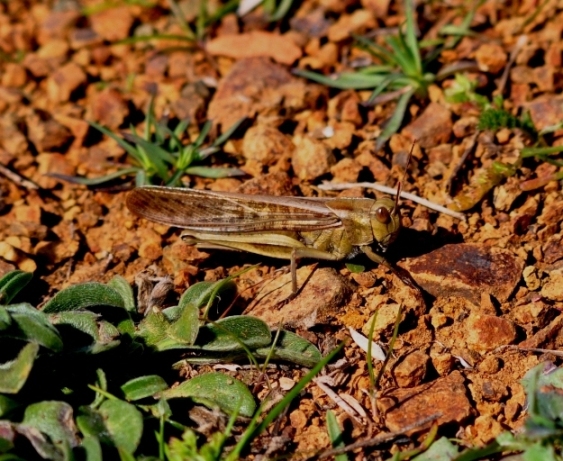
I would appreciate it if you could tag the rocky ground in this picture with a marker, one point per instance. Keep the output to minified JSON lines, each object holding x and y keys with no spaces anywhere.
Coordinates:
{"x":492,"y":281}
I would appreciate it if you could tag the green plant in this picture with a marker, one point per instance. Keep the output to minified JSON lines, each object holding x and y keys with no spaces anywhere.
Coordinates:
{"x":194,"y":30}
{"x":91,"y":333}
{"x":403,"y":71}
{"x":275,"y":10}
{"x":160,"y":156}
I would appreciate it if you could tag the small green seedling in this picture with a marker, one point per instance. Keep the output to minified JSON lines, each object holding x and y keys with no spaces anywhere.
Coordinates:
{"x":160,"y":157}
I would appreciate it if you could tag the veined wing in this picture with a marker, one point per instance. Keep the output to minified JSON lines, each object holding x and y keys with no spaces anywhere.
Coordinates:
{"x":206,"y":211}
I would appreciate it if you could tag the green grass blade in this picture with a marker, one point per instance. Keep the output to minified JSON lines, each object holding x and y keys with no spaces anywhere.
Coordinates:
{"x":375,"y":50}
{"x":203,"y":134}
{"x":395,"y":121}
{"x":179,"y":16}
{"x":214,"y":172}
{"x":148,"y":38}
{"x":254,"y":429}
{"x":282,"y":10}
{"x":345,"y":81}
{"x":95,"y":181}
{"x":122,"y":143}
{"x":410,"y":36}
{"x":381,"y":87}
{"x":403,"y":55}
{"x":227,"y":134}
{"x":540,"y":151}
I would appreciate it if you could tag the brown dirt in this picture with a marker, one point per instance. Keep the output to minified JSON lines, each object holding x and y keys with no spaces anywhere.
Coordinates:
{"x":502,"y":285}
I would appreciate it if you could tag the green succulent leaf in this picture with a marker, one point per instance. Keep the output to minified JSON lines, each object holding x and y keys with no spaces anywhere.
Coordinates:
{"x":293,"y":348}
{"x":32,"y":325}
{"x":124,"y":423}
{"x":12,"y":283}
{"x":53,"y":418}
{"x":232,"y":333}
{"x":13,"y":374}
{"x":84,"y":296}
{"x":119,"y":284}
{"x":143,"y":386}
{"x":216,"y":390}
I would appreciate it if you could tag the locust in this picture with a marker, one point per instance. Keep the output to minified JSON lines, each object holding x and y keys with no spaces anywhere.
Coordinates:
{"x":290,"y":228}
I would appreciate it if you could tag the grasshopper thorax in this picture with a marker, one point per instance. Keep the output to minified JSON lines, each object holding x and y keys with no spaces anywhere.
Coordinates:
{"x":385,"y":221}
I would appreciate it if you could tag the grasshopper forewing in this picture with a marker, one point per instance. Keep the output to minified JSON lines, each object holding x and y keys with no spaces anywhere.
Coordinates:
{"x":279,"y":227}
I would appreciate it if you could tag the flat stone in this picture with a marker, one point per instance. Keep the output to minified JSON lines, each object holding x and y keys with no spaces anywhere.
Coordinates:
{"x":412,"y":369}
{"x":254,"y":44}
{"x":545,"y":111}
{"x":432,"y":127}
{"x":258,"y":85}
{"x":446,"y":397}
{"x":109,"y":108}
{"x":553,"y":288}
{"x":487,"y":332}
{"x":467,"y":270}
{"x":265,"y":144}
{"x":323,"y":291}
{"x":311,"y":158}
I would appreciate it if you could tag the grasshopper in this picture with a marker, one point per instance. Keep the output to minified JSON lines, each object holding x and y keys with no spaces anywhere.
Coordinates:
{"x":279,"y":227}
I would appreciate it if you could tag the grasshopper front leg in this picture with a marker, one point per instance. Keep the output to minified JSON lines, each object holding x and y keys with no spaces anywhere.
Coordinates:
{"x":403,"y":275}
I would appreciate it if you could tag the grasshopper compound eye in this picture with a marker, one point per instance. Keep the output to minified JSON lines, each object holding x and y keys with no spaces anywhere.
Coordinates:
{"x":382,"y":214}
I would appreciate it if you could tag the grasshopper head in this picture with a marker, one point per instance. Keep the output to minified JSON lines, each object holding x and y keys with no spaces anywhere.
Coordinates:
{"x":385,"y":221}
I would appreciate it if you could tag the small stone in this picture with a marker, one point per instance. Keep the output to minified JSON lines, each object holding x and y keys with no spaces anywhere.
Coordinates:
{"x":348,"y":24}
{"x":491,"y":58}
{"x":412,"y":370}
{"x":531,"y":279}
{"x":553,"y":288}
{"x":432,"y":127}
{"x":265,"y":144}
{"x":346,"y":170}
{"x":28,"y":213}
{"x":443,"y":363}
{"x":487,"y":332}
{"x":27,"y":265}
{"x":545,"y":111}
{"x":311,"y":158}
{"x":13,"y":75}
{"x":109,"y":108}
{"x":8,"y":252}
{"x":385,"y":318}
{"x":256,"y":43}
{"x":113,"y":24}
{"x":242,"y":91}
{"x":275,"y":183}
{"x":64,"y":81}
{"x":322,"y":292}
{"x":446,"y":397}
{"x":553,"y":249}
{"x":465,"y":126}
{"x":48,"y":135}
{"x":467,"y":270}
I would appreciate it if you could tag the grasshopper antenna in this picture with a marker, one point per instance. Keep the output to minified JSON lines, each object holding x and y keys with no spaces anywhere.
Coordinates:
{"x":400,"y":183}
